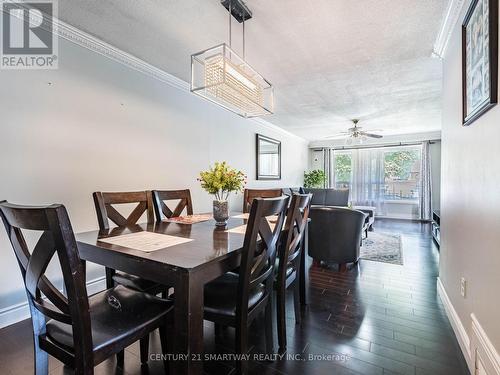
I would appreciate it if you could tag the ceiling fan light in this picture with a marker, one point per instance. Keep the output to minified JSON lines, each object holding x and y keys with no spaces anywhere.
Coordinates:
{"x":218,"y":74}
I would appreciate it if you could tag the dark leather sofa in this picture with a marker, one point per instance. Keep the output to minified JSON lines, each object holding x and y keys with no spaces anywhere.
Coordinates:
{"x":329,"y":197}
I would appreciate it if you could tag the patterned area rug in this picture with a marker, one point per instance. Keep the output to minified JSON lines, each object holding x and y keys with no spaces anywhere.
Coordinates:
{"x":382,"y":247}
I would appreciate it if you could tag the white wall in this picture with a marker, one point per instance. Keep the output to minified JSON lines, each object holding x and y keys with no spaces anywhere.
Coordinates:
{"x":470,"y":203}
{"x":100,"y":125}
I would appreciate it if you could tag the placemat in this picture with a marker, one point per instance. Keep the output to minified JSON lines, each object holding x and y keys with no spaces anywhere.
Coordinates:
{"x":189,"y":219}
{"x":146,"y":241}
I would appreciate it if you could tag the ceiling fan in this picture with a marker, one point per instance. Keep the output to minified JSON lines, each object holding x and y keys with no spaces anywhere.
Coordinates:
{"x":355,"y":133}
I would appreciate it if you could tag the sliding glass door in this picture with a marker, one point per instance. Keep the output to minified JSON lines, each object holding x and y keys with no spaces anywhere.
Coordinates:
{"x":387,"y":178}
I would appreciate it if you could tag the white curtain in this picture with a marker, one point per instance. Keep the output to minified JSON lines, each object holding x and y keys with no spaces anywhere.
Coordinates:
{"x":425,"y":183}
{"x":367,"y":187}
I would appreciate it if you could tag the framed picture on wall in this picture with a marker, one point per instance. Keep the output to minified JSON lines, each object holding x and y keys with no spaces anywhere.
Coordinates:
{"x":268,"y":158}
{"x":479,"y":59}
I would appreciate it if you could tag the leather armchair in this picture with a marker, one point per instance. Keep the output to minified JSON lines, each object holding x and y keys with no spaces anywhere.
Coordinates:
{"x":335,"y":234}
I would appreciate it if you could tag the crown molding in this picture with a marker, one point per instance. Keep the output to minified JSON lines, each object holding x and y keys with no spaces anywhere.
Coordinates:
{"x":450,"y":19}
{"x":90,"y":42}
{"x":276,"y":128}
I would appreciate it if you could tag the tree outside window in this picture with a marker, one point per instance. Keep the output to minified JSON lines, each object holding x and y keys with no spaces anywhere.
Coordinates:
{"x":343,"y":170}
{"x":402,"y":174}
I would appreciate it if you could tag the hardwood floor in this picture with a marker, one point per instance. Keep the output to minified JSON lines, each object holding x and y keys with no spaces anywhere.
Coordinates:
{"x":376,"y":318}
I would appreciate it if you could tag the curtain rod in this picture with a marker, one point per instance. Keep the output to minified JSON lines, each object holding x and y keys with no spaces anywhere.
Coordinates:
{"x":397,"y":144}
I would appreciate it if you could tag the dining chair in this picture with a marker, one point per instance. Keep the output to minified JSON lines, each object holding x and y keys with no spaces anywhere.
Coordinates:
{"x":289,"y":257}
{"x":236,"y":299}
{"x":105,"y":203}
{"x":78,"y":330}
{"x":162,"y":211}
{"x":250,"y":194}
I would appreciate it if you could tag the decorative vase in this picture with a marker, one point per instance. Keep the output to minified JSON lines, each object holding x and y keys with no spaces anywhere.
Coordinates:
{"x":221,"y":213}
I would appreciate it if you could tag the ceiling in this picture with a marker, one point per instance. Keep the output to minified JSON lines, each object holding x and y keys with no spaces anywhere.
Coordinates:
{"x":329,"y":60}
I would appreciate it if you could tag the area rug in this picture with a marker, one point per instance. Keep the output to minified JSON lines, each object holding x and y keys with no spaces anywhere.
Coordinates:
{"x":382,"y":247}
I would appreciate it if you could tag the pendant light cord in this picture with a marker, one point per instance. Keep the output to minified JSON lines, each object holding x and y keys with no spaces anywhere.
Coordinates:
{"x":230,"y":36}
{"x":230,"y":13}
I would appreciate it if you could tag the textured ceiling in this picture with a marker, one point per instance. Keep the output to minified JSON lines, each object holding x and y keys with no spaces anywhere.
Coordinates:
{"x":329,"y":60}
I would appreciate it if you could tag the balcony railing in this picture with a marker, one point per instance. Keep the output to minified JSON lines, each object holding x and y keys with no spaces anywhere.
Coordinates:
{"x":388,"y":191}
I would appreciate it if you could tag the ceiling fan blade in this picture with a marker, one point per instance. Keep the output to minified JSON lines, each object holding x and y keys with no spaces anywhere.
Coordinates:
{"x":372,"y":135}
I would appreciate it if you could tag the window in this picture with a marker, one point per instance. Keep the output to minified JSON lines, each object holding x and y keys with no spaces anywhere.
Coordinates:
{"x":387,"y":178}
{"x":343,"y":169}
{"x":402,"y":174}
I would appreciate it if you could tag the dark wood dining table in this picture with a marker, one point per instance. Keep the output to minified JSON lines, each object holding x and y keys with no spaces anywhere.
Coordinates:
{"x":187,"y":267}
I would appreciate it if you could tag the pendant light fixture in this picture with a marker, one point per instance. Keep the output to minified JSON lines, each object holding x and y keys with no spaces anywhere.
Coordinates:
{"x":220,"y":75}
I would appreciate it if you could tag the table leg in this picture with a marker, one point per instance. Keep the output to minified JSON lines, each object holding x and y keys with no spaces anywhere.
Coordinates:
{"x":188,"y":325}
{"x":304,"y":267}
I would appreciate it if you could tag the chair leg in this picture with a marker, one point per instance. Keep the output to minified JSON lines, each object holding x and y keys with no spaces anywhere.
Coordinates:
{"x":41,"y":357}
{"x":241,"y":347}
{"x":296,"y":300}
{"x":109,"y":277}
{"x":144,"y":346}
{"x":343,"y":267}
{"x":164,"y":346}
{"x":280,"y":316}
{"x":85,"y":370}
{"x":120,"y":358}
{"x":217,"y":329}
{"x":269,"y":327}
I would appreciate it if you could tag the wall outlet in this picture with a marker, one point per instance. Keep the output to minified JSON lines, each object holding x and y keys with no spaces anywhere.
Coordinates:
{"x":463,"y":286}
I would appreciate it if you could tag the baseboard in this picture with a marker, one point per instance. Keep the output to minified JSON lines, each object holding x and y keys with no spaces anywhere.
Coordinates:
{"x":13,"y":314}
{"x":484,"y":353}
{"x":456,"y":323}
{"x":16,"y":313}
{"x":96,"y":285}
{"x":481,"y":356}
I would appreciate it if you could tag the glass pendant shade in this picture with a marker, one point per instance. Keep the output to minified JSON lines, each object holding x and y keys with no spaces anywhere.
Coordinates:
{"x":221,"y":76}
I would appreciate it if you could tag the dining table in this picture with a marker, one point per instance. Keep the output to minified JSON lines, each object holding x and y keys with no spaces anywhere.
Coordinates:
{"x":201,"y":252}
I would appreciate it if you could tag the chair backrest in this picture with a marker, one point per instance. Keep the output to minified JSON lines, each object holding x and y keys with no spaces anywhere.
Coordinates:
{"x":291,"y":191}
{"x":250,"y":194}
{"x":293,"y":233}
{"x":259,"y":247}
{"x":162,"y":211}
{"x":335,"y":233}
{"x":105,"y":211}
{"x":56,"y":237}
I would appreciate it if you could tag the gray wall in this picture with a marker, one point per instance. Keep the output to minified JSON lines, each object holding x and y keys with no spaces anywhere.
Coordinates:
{"x":470,"y":202}
{"x":102,"y":126}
